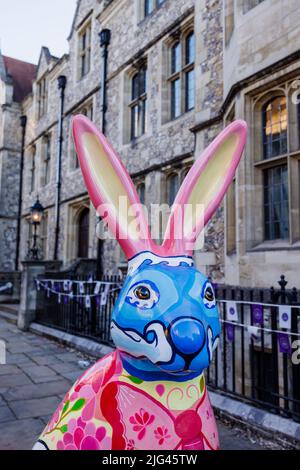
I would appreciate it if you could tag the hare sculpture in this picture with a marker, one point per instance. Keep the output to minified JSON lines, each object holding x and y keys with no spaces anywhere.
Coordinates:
{"x":150,"y":394}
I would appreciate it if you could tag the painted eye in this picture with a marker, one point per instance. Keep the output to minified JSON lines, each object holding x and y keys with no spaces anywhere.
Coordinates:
{"x":208,"y":295}
{"x":143,"y":295}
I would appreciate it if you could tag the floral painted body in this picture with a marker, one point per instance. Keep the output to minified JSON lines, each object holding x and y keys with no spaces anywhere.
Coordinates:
{"x":109,"y":409}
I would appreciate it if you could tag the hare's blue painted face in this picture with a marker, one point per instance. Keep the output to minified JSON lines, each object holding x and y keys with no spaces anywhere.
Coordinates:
{"x":166,"y":320}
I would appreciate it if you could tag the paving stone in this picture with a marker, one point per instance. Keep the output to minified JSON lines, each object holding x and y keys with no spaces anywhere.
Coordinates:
{"x":21,"y":434}
{"x":35,"y":408}
{"x":14,"y":380}
{"x":44,"y":360}
{"x":46,"y":419}
{"x":5,"y":414}
{"x":39,"y":373}
{"x":66,"y":367}
{"x":38,"y":390}
{"x":22,"y":348}
{"x":18,"y":358}
{"x":72,"y":376}
{"x":232,"y":440}
{"x":9,"y":369}
{"x":52,"y":349}
{"x":67,"y":357}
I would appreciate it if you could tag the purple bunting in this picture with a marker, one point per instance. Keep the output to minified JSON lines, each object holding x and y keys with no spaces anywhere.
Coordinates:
{"x":258,"y":314}
{"x":230,"y":332}
{"x":284,"y":343}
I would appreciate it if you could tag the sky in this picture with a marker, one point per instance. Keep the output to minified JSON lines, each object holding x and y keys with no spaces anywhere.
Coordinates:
{"x":27,"y":25}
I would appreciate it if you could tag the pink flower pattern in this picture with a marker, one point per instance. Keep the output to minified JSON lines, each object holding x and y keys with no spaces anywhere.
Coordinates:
{"x":130,"y":445}
{"x":140,"y":422}
{"x":83,"y":436}
{"x":162,"y":435}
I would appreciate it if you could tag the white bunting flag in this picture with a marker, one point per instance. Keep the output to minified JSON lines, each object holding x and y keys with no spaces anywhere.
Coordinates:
{"x":59,"y":298}
{"x":97,"y":288}
{"x":232,"y":312}
{"x":66,"y":286}
{"x":253,"y":331}
{"x":38,"y":285}
{"x":285,"y":317}
{"x":88,"y":302}
{"x":104,"y":295}
{"x":81,"y":288}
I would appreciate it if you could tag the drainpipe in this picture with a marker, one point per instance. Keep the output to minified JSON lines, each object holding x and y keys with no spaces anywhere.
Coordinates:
{"x":23,"y":122}
{"x":62,"y":81}
{"x":105,"y":36}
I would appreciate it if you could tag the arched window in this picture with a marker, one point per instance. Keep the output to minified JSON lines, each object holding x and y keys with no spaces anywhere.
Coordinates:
{"x":32,"y":168}
{"x":83,"y":234}
{"x":138,"y":103}
{"x":47,"y":159}
{"x":276,"y":203}
{"x":190,"y":72}
{"x":275,"y":179}
{"x":182,"y":75}
{"x":275,"y":127}
{"x":173,"y":187}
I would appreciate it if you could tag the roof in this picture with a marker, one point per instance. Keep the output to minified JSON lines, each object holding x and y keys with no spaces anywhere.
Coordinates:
{"x":22,"y":75}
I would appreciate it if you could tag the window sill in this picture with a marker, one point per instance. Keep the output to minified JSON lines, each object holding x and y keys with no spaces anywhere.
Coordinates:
{"x":276,"y":245}
{"x":182,"y":117}
{"x":134,"y":142}
{"x":271,"y":161}
{"x":81,"y":79}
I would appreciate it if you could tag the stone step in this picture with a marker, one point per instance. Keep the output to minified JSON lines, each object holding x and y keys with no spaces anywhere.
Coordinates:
{"x":9,"y":316}
{"x":10,"y":308}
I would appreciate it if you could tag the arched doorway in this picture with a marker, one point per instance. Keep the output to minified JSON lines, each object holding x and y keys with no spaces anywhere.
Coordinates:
{"x":83,"y":234}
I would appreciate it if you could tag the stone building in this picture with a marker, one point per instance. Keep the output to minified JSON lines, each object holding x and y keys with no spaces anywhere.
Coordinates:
{"x":16,"y":79}
{"x":177,"y":73}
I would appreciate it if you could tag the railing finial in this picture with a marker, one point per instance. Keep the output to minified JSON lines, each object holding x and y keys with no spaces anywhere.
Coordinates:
{"x":282,"y":282}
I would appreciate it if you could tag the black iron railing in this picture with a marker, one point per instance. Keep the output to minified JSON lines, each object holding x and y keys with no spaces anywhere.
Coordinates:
{"x":256,"y":360}
{"x":57,"y":309}
{"x":250,"y":363}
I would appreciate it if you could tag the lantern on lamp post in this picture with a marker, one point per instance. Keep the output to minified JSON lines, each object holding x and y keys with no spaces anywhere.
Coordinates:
{"x":36,"y":214}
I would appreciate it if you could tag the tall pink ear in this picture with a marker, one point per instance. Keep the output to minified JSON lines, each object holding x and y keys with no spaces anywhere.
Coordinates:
{"x":204,"y":188}
{"x":110,"y":188}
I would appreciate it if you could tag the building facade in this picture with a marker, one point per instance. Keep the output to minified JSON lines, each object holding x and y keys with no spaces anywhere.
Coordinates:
{"x":16,"y":79}
{"x":177,"y":73}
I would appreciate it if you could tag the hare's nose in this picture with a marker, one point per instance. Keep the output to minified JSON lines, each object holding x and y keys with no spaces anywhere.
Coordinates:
{"x":188,"y":335}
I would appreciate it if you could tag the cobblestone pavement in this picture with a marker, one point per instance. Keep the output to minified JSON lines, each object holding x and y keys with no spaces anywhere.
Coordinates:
{"x":38,"y":374}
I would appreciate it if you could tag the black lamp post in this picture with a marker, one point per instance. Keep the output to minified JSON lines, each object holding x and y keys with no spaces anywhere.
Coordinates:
{"x":61,"y":82}
{"x":23,"y":123}
{"x":105,"y":37}
{"x":36,"y":214}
